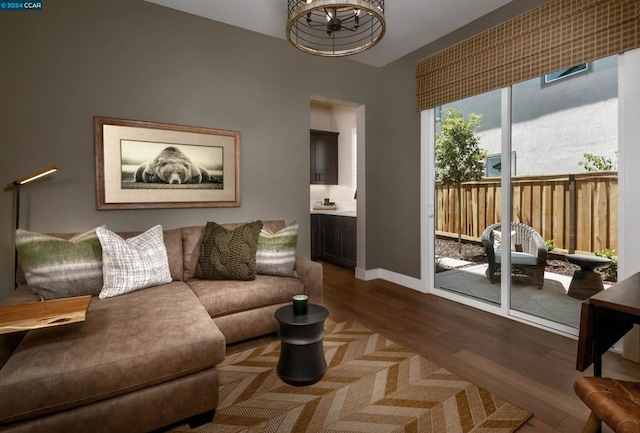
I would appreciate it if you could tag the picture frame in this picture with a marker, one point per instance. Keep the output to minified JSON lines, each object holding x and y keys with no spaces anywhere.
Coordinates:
{"x":146,"y":165}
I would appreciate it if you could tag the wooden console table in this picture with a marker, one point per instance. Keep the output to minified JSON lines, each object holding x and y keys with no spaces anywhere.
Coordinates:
{"x":604,"y":319}
{"x":34,"y":315}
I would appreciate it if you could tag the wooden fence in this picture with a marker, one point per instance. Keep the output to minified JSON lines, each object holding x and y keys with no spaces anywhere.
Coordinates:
{"x":578,"y":211}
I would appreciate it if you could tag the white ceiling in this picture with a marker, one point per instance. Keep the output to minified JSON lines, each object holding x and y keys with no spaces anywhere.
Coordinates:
{"x":411,"y":24}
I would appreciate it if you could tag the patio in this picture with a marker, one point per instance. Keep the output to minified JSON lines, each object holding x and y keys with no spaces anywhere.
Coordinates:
{"x":551,"y":302}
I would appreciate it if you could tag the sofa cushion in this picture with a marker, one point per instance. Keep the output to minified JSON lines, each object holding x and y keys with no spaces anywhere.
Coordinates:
{"x":126,"y":343}
{"x":497,"y":240}
{"x":191,"y":239}
{"x":173,"y":243}
{"x":60,"y":268}
{"x":133,"y":264}
{"x":518,"y":258}
{"x":228,"y":254}
{"x":192,"y":236}
{"x":276,"y":254}
{"x":227,"y":297}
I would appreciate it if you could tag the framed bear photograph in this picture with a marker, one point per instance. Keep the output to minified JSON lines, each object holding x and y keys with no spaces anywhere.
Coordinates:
{"x":143,"y":165}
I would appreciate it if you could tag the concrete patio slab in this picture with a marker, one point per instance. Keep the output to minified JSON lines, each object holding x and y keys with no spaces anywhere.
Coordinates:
{"x":551,"y":302}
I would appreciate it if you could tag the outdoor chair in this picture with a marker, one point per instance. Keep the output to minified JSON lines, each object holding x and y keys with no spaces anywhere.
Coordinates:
{"x":528,"y":252}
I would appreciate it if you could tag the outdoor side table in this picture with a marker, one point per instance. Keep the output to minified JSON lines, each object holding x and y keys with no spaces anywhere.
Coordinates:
{"x":302,"y":360}
{"x":586,"y":282}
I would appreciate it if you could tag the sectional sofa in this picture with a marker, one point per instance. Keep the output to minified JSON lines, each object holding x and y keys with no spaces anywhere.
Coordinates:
{"x":146,"y":359}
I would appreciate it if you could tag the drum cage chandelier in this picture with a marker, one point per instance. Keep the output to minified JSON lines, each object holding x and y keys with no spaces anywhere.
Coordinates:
{"x":335,"y":28}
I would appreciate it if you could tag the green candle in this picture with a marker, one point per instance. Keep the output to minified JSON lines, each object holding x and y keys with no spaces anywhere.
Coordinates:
{"x":300,"y":304}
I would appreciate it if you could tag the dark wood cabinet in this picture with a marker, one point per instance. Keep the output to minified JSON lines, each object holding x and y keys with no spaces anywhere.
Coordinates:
{"x":334,"y":239}
{"x":324,"y":157}
{"x":316,"y":253}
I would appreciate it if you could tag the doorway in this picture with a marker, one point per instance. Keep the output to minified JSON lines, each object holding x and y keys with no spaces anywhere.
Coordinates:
{"x":349,"y":194}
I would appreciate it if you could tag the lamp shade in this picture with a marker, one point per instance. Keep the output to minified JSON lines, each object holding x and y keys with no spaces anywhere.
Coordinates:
{"x":33,"y":176}
{"x":335,"y":28}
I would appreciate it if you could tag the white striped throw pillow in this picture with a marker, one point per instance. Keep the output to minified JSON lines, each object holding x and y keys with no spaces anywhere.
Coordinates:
{"x":59,"y":268}
{"x":276,"y":253}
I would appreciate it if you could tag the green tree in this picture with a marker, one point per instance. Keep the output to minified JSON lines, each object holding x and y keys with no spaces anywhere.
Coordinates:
{"x":458,"y":157}
{"x":599,"y":163}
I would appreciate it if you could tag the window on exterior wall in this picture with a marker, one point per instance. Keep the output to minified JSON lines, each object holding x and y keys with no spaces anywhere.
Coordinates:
{"x":565,"y":73}
{"x":493,"y":165}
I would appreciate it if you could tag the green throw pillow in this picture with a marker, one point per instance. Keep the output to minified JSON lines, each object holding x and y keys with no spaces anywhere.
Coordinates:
{"x":276,"y":253}
{"x":228,"y":254}
{"x":60,"y":268}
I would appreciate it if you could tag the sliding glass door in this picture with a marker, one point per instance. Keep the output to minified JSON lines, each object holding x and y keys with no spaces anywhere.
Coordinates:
{"x":556,"y":158}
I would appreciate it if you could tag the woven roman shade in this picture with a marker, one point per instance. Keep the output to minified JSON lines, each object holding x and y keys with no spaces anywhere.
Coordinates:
{"x":557,"y":35}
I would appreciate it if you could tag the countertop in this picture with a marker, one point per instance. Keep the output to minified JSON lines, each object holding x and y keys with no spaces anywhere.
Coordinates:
{"x":346,"y":213}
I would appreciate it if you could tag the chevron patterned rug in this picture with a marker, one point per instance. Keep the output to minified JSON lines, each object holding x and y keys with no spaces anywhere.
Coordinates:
{"x":371,"y":385}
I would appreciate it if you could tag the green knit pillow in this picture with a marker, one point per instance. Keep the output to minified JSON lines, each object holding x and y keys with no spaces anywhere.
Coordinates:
{"x":60,"y":268}
{"x":228,"y":254}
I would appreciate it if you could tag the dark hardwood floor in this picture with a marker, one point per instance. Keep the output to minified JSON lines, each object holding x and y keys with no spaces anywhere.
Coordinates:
{"x":527,"y":366}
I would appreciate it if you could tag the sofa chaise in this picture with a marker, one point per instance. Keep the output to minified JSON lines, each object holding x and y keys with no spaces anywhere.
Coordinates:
{"x":142,"y":360}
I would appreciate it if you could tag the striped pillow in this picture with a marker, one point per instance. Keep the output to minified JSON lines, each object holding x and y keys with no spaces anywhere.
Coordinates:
{"x":133,"y":264}
{"x":60,"y":268}
{"x":276,"y":253}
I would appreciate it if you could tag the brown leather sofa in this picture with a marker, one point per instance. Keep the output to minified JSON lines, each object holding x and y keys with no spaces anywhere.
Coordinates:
{"x":143,"y":360}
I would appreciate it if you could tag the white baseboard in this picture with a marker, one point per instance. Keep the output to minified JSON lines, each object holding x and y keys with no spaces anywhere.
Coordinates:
{"x":363,"y":274}
{"x":393,"y":277}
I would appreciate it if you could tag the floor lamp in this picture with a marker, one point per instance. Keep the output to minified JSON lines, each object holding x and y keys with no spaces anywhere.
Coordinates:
{"x":17,"y":184}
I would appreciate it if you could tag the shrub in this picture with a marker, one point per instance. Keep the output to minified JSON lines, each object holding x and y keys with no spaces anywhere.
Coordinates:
{"x":550,"y":245}
{"x":467,"y":255}
{"x":599,"y":163}
{"x":611,"y":271}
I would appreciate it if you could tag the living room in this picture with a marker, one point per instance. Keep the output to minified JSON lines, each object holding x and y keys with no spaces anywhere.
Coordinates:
{"x":141,"y":61}
{"x":201,"y":73}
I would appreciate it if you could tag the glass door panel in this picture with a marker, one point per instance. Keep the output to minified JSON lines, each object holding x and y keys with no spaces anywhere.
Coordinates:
{"x":467,"y":197}
{"x":564,"y":184}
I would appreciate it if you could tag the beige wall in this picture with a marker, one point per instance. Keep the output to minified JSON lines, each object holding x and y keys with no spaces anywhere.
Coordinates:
{"x":135,"y":60}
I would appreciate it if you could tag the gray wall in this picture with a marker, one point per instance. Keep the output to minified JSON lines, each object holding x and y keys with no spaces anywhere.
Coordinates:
{"x":135,"y":60}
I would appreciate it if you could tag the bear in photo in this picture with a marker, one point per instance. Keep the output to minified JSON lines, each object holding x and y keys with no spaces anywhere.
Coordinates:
{"x":171,"y":166}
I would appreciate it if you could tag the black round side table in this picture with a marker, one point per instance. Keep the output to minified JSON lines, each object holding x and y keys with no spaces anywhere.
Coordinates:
{"x":302,"y":359}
